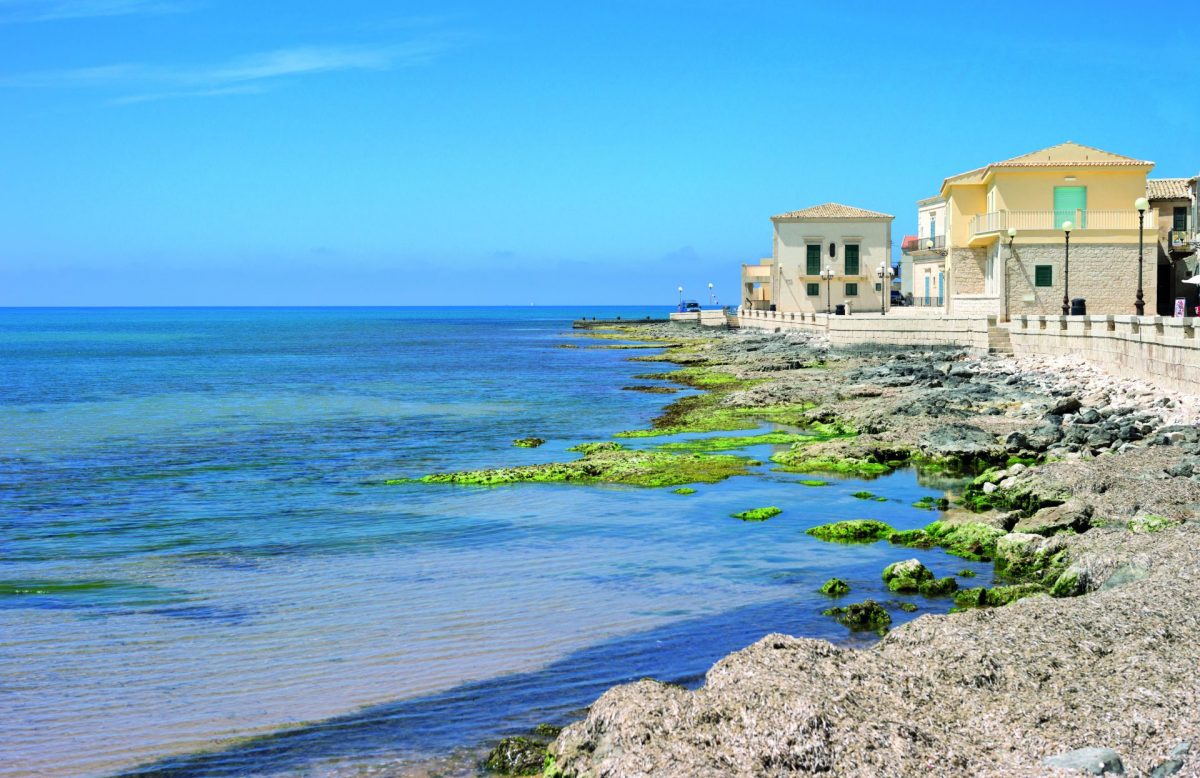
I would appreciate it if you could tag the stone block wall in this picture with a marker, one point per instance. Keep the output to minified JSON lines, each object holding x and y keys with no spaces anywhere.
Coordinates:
{"x":1163,"y":351}
{"x":1103,"y":274}
{"x":966,"y":270}
{"x":860,"y":328}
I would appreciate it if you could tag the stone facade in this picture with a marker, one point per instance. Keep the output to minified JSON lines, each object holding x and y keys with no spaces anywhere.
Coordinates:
{"x":966,"y":270}
{"x":1103,"y":274}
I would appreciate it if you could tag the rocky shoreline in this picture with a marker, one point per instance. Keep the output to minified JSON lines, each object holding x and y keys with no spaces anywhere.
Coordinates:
{"x":1086,"y":495}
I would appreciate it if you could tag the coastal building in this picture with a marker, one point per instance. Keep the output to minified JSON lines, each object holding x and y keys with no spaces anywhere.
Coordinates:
{"x":830,"y":255}
{"x":1175,"y":201}
{"x":1006,"y":247}
{"x":905,"y":275}
{"x":929,"y":254}
{"x":756,"y":285}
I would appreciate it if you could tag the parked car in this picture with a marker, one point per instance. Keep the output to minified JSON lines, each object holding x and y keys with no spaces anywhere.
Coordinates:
{"x":691,"y":305}
{"x":898,"y":298}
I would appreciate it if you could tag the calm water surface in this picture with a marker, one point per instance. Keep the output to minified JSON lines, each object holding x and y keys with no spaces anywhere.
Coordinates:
{"x":201,"y":572}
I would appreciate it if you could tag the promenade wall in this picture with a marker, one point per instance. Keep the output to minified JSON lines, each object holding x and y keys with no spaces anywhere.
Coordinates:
{"x":890,"y":329}
{"x":1163,"y":350}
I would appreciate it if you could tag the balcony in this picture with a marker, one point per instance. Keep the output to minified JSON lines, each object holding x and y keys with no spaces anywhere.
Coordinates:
{"x":988,"y":224}
{"x":1182,"y":240}
{"x":756,"y":273}
{"x":928,"y":243}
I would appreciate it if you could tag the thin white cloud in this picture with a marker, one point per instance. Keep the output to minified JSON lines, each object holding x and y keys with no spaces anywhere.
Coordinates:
{"x":241,"y":75}
{"x":17,"y":11}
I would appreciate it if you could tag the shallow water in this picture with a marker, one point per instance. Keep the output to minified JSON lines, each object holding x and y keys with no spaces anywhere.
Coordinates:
{"x":196,"y":547}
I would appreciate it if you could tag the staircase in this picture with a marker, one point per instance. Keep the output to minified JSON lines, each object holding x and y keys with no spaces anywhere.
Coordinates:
{"x":999,"y":340}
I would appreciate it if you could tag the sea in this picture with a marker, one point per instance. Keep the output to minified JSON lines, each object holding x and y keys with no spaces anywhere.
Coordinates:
{"x":203,"y":571}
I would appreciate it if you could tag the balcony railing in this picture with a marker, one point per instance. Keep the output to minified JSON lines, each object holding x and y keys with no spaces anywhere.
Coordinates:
{"x":927,"y":302}
{"x":1181,"y":240}
{"x":999,"y":221}
{"x":929,"y":243}
{"x":757,"y":271}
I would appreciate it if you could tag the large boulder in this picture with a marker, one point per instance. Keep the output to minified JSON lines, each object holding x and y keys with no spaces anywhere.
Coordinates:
{"x":963,"y":442}
{"x":1072,"y":515}
{"x":906,"y":576}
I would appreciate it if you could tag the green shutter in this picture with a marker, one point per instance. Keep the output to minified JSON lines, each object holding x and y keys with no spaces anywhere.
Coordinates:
{"x":852,"y":290}
{"x":1043,"y":275}
{"x":813,"y":289}
{"x":1068,"y":199}
{"x":814,"y":259}
{"x":852,"y":259}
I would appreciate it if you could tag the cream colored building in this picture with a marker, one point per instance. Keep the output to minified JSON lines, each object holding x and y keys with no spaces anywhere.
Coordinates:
{"x":1175,"y":201}
{"x":1006,"y":250}
{"x":929,"y":254}
{"x":850,"y":243}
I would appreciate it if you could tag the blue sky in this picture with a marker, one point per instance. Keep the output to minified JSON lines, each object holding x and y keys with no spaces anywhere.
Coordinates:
{"x":194,"y":152}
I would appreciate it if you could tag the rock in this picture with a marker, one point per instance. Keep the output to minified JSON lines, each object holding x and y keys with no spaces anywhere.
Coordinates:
{"x":528,"y":442}
{"x":961,"y":371}
{"x":1018,"y":468}
{"x":1043,"y":437}
{"x":940,"y":587}
{"x":867,"y":615}
{"x":964,"y":442}
{"x":1071,"y":515}
{"x":1022,"y":556}
{"x":906,"y":576}
{"x":852,"y":531}
{"x":516,"y":756}
{"x":1092,"y":761}
{"x":1068,"y":405}
{"x":1088,"y":416}
{"x":835,"y":587}
{"x":989,"y":487}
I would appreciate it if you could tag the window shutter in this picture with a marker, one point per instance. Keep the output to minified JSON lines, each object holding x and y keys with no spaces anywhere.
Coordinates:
{"x":813,"y":260}
{"x":852,"y":259}
{"x":1043,"y":275}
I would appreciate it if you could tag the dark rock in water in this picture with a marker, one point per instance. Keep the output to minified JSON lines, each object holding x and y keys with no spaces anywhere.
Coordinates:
{"x":1091,"y":761}
{"x":867,"y":615}
{"x":547,"y":730}
{"x":1066,"y":405}
{"x":516,"y":756}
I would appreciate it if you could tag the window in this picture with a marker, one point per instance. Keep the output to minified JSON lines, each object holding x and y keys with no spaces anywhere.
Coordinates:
{"x":1043,"y":275}
{"x":812,"y":289}
{"x":813,"y":259}
{"x":852,"y":259}
{"x":1180,"y":218}
{"x":1068,"y":200}
{"x":852,"y":290}
{"x":878,"y":287}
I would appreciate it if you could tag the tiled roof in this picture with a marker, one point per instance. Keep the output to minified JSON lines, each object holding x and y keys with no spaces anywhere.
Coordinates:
{"x":1067,"y":154}
{"x":1167,"y":188}
{"x":833,"y":211}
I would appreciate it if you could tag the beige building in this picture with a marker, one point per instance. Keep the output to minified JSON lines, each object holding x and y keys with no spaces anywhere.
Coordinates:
{"x":1175,"y":201}
{"x":826,"y":256}
{"x":929,"y":254}
{"x":1006,"y":246}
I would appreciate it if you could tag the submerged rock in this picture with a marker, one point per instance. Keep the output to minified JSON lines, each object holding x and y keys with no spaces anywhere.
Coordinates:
{"x":528,"y":442}
{"x":906,"y":576}
{"x":758,"y":514}
{"x":865,"y":616}
{"x":852,"y":531}
{"x":516,"y":756}
{"x":835,"y":587}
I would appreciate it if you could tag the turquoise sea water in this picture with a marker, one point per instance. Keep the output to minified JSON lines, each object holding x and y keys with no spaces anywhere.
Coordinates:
{"x":202,"y":573}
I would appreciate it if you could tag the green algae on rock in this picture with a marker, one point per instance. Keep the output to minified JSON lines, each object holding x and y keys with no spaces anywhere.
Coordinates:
{"x":812,"y":482}
{"x":867,"y":615}
{"x":835,"y":587}
{"x":908,"y":607}
{"x":517,"y":756}
{"x":996,"y":597}
{"x":684,"y":490}
{"x":973,"y":541}
{"x":852,"y":531}
{"x":798,"y":459}
{"x":733,"y":442}
{"x":939,"y":587}
{"x":608,"y":463}
{"x":650,"y":389}
{"x":929,"y":503}
{"x":528,"y":442}
{"x":966,"y":572}
{"x":906,"y":576}
{"x":758,"y":514}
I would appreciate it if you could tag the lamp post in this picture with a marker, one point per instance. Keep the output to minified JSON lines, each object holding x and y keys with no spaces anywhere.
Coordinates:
{"x":884,"y":273}
{"x":681,"y":299}
{"x":1141,"y":204}
{"x":827,"y":274}
{"x":1012,"y":235}
{"x":710,"y":293}
{"x":1066,"y":306}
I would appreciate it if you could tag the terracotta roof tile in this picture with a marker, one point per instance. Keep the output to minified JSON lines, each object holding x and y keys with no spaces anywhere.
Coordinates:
{"x":1167,"y":188}
{"x":833,"y":211}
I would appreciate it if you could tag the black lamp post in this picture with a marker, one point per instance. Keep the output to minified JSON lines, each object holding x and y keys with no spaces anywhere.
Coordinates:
{"x":827,"y":274}
{"x":1012,"y":236}
{"x":1141,"y":204}
{"x":1066,"y":306}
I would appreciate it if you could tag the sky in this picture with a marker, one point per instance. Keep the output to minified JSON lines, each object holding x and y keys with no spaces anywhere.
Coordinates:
{"x":222,"y":152}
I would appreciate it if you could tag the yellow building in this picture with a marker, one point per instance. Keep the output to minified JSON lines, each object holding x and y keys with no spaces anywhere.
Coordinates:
{"x":1008,"y":225}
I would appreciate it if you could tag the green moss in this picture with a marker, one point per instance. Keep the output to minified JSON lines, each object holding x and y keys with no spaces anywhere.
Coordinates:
{"x":608,"y":463}
{"x":835,"y":587}
{"x":704,"y":413}
{"x":852,"y":531}
{"x":864,"y":616}
{"x":797,"y":460}
{"x":864,"y":495}
{"x":908,"y":607}
{"x":649,"y":389}
{"x":812,"y":482}
{"x":528,"y":442}
{"x":594,"y":448}
{"x":1027,"y":461}
{"x":966,"y":572}
{"x":973,"y":541}
{"x":733,"y":442}
{"x":971,"y":598}
{"x":996,"y":597}
{"x":758,"y":514}
{"x":684,"y":490}
{"x":1029,"y":560}
{"x":1144,"y":524}
{"x":907,"y":576}
{"x":914,"y":538}
{"x":930,"y":503}
{"x":550,"y":767}
{"x":517,"y":756}
{"x":1069,"y":584}
{"x":939,"y":587}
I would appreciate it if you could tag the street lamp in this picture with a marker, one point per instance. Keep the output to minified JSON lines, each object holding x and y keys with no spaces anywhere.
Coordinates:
{"x":1066,"y":306}
{"x":710,"y":293}
{"x":884,"y":273}
{"x":681,"y":299}
{"x":827,"y":274}
{"x":1141,"y":204}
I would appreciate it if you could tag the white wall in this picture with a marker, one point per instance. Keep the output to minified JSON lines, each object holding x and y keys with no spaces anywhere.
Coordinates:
{"x":791,"y":239}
